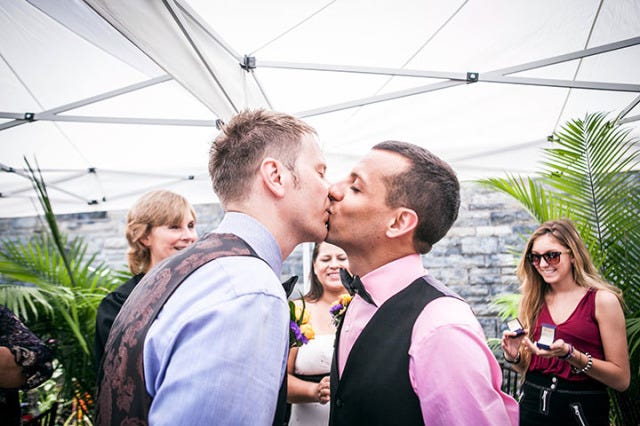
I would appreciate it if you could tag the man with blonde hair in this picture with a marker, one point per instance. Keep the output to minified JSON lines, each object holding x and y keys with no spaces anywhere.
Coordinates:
{"x":212,"y":347}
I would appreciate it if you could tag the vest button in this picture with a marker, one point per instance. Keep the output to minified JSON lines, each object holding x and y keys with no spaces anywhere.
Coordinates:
{"x":339,"y":403}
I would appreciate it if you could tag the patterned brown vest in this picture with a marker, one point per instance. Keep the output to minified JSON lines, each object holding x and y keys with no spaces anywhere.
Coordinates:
{"x":122,"y":396}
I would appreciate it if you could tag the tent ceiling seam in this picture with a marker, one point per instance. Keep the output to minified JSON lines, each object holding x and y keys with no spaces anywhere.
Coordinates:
{"x":451,"y":75}
{"x":108,"y":95}
{"x":500,"y":150}
{"x":50,"y":185}
{"x":22,"y":83}
{"x":630,"y":119}
{"x":33,"y":117}
{"x":579,"y":65}
{"x":629,"y":107}
{"x":128,"y":120}
{"x":179,"y":20}
{"x":497,"y":75}
{"x":292,"y":28}
{"x":429,"y":39}
{"x":570,"y":56}
{"x":80,"y":34}
{"x":208,"y":30}
{"x":380,"y":98}
{"x":262,"y":91}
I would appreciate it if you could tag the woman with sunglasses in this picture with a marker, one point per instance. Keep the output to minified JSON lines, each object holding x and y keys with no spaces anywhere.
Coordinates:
{"x":574,"y":344}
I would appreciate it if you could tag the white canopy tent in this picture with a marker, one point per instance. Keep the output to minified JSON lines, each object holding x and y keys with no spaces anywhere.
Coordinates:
{"x":114,"y":97}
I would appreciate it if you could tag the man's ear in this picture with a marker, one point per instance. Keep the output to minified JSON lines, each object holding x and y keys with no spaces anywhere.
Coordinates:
{"x":403,"y":222}
{"x":271,"y":172}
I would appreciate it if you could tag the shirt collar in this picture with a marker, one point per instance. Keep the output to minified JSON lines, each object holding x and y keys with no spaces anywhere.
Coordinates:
{"x":256,"y":235}
{"x":389,"y":279}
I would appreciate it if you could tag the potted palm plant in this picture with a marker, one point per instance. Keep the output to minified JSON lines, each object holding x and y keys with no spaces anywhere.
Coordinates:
{"x":55,"y":286}
{"x":590,"y":177}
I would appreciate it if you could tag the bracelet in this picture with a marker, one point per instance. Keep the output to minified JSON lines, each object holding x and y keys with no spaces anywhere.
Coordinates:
{"x":511,"y":361}
{"x":586,"y":368}
{"x":569,"y":353}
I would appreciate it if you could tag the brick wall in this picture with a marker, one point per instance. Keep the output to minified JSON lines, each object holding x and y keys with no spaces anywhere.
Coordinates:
{"x":476,"y":258}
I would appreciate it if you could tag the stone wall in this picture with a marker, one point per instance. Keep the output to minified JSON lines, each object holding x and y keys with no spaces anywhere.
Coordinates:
{"x":476,"y":258}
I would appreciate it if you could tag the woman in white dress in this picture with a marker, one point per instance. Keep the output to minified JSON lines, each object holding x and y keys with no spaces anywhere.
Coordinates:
{"x":309,"y":365}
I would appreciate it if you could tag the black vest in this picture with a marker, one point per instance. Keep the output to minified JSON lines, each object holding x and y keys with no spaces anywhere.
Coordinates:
{"x":122,"y":396}
{"x":375,"y":388}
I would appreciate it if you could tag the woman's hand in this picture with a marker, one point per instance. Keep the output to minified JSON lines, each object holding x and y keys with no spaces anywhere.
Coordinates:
{"x":559,"y":348}
{"x":324,"y":390}
{"x":511,"y":342}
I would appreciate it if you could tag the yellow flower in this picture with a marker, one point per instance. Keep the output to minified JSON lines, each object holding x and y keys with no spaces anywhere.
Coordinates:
{"x":305,"y":316}
{"x":307,"y":331}
{"x":338,"y":309}
{"x":344,"y":299}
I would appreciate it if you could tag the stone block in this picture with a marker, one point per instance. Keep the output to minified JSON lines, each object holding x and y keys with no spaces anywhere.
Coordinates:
{"x":484,"y":276}
{"x":486,"y":245}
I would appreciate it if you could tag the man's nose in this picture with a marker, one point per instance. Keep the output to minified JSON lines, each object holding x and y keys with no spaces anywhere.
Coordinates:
{"x":336,"y":192}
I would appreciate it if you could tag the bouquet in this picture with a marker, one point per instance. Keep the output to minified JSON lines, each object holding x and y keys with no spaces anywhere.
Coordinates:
{"x":338,"y":309}
{"x":300,"y":331}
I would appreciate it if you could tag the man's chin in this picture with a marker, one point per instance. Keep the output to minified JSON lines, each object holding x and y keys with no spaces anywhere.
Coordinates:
{"x":321,"y":235}
{"x":331,"y":237}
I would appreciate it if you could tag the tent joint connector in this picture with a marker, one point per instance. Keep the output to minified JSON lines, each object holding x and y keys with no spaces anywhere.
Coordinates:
{"x":248,"y":63}
{"x":29,"y":116}
{"x":472,"y":77}
{"x":91,"y":170}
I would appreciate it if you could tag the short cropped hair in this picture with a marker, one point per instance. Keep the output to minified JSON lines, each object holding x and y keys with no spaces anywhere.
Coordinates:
{"x":245,"y":141}
{"x":429,"y":187}
{"x":155,"y":208}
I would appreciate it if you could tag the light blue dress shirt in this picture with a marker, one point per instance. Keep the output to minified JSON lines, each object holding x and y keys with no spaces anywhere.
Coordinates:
{"x":216,"y":354}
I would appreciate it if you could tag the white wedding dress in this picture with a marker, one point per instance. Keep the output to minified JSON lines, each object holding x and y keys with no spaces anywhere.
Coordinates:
{"x":312,"y":359}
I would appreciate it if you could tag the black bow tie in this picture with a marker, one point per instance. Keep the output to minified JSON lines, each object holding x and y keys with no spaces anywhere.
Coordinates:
{"x":354,"y":286}
{"x":289,"y":284}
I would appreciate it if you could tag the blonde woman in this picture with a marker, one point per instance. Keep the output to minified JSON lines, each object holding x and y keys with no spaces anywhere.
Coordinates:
{"x":575,"y":344}
{"x":309,"y":365}
{"x":159,"y":224}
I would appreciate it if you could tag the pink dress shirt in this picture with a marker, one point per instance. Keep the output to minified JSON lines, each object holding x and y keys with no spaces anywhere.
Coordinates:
{"x":452,"y":370}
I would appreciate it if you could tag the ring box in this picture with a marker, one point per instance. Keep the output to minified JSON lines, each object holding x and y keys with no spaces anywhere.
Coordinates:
{"x":515,"y":326}
{"x":547,"y":336}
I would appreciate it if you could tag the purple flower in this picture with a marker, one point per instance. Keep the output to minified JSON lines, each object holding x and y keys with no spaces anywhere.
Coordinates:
{"x":335,"y":309}
{"x":298,"y":337}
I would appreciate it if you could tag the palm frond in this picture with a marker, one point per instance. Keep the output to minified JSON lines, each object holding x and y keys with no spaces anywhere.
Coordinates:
{"x":633,"y":332}
{"x":24,"y":300}
{"x":507,"y":305}
{"x":531,"y":193}
{"x":55,"y":287}
{"x":591,"y":168}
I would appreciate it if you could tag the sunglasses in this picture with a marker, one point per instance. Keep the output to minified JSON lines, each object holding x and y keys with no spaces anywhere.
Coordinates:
{"x":551,"y":257}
